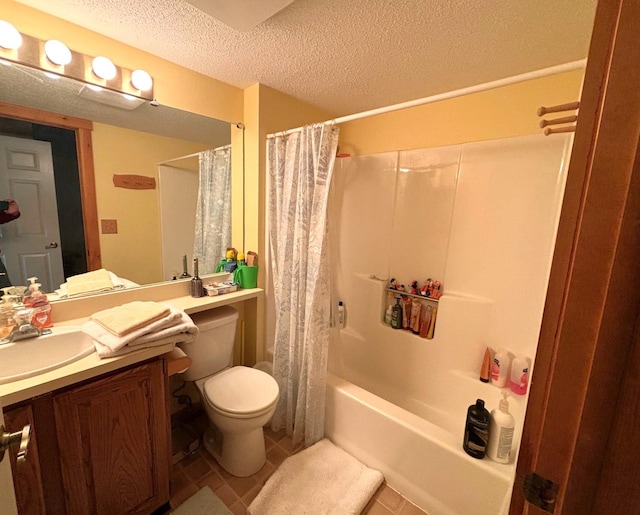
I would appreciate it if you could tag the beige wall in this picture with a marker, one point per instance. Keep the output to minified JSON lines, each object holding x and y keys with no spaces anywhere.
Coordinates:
{"x":135,"y":252}
{"x":497,"y":113}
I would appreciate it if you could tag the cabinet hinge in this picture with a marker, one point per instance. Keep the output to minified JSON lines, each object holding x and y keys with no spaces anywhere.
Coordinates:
{"x":540,"y":491}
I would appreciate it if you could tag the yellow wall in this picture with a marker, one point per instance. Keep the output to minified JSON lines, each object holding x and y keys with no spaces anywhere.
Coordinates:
{"x":497,"y":113}
{"x":174,"y":85}
{"x":267,"y":111}
{"x":135,"y":252}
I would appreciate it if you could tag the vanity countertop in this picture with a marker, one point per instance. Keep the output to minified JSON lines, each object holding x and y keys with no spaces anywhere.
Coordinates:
{"x":93,"y":366}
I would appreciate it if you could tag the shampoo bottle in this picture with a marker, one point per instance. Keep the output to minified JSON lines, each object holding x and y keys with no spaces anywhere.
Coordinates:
{"x":476,"y":430}
{"x":519,"y":375}
{"x":388,"y":314}
{"x":500,"y":368}
{"x":340,"y":323}
{"x":396,"y":315}
{"x":501,"y":426}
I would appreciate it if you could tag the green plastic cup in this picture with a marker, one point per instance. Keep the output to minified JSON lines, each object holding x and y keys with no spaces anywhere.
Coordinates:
{"x":246,"y":276}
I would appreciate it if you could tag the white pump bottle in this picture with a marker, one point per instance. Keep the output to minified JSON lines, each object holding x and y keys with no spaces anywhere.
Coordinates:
{"x":501,"y":426}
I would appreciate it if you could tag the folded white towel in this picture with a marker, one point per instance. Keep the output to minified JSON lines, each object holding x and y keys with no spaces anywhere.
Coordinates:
{"x":119,"y":283}
{"x":121,"y":320}
{"x":174,"y":323}
{"x":90,"y":282}
{"x":105,"y":352}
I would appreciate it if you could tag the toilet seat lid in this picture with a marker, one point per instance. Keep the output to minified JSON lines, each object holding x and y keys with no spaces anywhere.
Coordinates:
{"x":241,"y":390}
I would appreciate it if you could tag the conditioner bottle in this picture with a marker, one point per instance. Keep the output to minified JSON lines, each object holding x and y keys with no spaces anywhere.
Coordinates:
{"x":500,"y":368}
{"x":501,"y":427}
{"x":476,"y":430}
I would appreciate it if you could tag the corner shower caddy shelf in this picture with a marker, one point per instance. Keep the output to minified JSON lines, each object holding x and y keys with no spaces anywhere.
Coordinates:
{"x":422,"y":297}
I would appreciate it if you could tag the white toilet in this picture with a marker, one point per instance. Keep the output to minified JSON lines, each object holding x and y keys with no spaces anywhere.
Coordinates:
{"x":238,"y":400}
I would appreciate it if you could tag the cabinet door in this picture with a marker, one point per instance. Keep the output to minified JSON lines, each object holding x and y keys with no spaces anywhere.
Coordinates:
{"x":112,"y":437}
{"x":27,"y":479}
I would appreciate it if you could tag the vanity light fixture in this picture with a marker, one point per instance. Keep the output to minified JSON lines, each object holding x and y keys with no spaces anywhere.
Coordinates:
{"x":57,"y":60}
{"x":10,"y":38}
{"x":104,"y":68}
{"x":141,"y":80}
{"x":57,"y":52}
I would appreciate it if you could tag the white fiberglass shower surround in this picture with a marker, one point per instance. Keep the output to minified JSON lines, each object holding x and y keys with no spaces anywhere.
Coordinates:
{"x":482,"y":219}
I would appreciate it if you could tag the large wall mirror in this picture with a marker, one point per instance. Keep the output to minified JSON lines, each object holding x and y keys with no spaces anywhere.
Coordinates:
{"x":67,"y":154}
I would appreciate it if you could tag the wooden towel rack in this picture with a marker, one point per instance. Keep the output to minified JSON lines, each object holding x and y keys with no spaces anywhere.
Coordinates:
{"x":572,"y":119}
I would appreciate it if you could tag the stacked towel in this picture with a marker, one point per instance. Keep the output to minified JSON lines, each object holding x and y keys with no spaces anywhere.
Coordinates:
{"x":92,"y":282}
{"x":122,"y":320}
{"x":122,"y":333}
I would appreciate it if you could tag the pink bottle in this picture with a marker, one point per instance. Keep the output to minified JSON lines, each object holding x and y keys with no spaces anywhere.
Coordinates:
{"x":519,"y":375}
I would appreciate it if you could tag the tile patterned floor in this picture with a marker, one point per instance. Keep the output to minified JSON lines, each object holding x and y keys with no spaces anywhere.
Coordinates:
{"x":200,"y":469}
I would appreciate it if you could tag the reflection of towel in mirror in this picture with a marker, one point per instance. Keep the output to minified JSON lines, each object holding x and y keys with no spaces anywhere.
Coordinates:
{"x":121,"y":320}
{"x":175,"y":327}
{"x":97,"y":280}
{"x":117,"y":284}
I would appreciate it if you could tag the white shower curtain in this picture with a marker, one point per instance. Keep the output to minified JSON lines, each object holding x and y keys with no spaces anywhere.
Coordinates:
{"x":213,"y":212}
{"x":300,"y":165}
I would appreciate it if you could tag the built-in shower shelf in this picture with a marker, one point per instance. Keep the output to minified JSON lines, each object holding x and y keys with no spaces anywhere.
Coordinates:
{"x":421,"y":297}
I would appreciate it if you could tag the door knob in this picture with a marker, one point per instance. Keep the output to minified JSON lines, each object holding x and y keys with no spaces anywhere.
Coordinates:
{"x":52,"y":245}
{"x":21,"y":438}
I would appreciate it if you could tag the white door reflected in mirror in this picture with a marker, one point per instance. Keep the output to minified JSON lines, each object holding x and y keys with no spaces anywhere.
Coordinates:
{"x":29,"y":243}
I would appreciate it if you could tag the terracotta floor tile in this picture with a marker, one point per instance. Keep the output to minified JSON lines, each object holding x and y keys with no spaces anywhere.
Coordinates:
{"x":287,"y":446}
{"x":241,"y":485}
{"x":213,"y":481}
{"x":227,"y":495}
{"x":197,"y":469}
{"x":411,"y":509}
{"x":265,"y":472}
{"x":276,"y":456}
{"x":377,"y":509}
{"x":238,"y":509}
{"x":390,"y":498}
{"x":179,"y":480}
{"x":251,"y":494}
{"x":181,"y":496}
{"x":276,"y":436}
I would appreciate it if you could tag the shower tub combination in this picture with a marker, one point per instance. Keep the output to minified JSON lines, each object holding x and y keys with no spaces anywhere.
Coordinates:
{"x":482,"y":219}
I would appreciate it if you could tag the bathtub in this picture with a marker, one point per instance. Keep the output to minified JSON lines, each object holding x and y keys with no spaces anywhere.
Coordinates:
{"x":422,"y":461}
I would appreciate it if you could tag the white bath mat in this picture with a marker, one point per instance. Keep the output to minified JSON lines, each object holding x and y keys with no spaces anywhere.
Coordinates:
{"x":321,"y":480}
{"x":203,"y":502}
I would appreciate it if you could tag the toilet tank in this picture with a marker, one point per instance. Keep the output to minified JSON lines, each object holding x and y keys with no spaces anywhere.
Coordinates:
{"x":212,"y":350}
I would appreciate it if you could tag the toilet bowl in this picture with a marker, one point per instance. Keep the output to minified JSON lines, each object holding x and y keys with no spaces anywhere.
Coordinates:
{"x":238,"y":401}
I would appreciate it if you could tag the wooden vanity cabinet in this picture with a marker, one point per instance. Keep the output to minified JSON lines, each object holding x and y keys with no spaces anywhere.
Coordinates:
{"x":103,"y":446}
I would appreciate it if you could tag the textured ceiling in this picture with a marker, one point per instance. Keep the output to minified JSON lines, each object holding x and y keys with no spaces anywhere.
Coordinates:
{"x":347,"y":56}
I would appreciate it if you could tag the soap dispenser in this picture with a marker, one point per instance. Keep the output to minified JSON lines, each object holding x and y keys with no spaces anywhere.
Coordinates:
{"x":40,"y":304}
{"x":501,"y":426}
{"x":7,"y":311}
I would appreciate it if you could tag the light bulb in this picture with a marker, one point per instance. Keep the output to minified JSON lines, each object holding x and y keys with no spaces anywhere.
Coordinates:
{"x":57,"y":52}
{"x":141,"y":80}
{"x":10,"y":38}
{"x":104,"y":68}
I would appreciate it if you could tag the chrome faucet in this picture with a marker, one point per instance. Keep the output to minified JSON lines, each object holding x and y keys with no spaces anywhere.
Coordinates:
{"x":24,"y":328}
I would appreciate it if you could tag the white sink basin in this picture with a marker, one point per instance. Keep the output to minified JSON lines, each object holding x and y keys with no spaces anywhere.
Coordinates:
{"x":26,"y":358}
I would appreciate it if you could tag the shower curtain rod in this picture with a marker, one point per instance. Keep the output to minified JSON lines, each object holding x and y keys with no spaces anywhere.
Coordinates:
{"x":195,"y":154}
{"x":536,"y":74}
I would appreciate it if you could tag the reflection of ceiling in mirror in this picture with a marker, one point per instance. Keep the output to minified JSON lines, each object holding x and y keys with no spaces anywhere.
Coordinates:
{"x":29,"y":87}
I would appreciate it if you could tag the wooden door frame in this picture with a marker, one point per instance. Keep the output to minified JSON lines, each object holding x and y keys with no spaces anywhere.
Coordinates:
{"x":594,"y":289}
{"x":82,"y":129}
